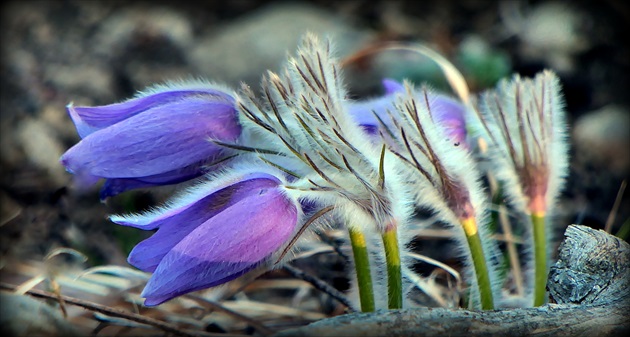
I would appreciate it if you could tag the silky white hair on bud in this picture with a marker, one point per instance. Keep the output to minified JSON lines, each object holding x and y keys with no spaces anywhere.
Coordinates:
{"x":203,"y":186}
{"x":523,"y":122}
{"x":224,"y":92}
{"x":302,"y":115}
{"x":444,"y":178}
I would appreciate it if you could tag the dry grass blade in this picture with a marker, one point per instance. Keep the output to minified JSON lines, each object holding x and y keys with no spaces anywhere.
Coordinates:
{"x":69,"y":251}
{"x":320,"y":285}
{"x":426,"y":286}
{"x":515,"y":264}
{"x":29,"y":284}
{"x":312,"y":219}
{"x":265,"y":331}
{"x":452,"y":74}
{"x":116,"y":271}
{"x":273,"y":309}
{"x":437,"y":264}
{"x":613,"y":212}
{"x":167,"y":327}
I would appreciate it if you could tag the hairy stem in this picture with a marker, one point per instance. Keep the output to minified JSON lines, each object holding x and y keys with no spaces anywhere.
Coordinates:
{"x":540,"y":258}
{"x":362,"y":268}
{"x":479,"y":262}
{"x":394,"y":274}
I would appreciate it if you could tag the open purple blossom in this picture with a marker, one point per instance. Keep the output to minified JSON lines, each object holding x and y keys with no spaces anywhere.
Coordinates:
{"x":218,"y":231}
{"x":373,"y":114}
{"x":159,"y":137}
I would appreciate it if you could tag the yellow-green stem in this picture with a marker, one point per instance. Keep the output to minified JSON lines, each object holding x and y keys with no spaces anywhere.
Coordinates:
{"x":479,"y":262}
{"x":362,"y":268}
{"x":394,"y":274}
{"x":540,"y":258}
{"x":623,"y":232}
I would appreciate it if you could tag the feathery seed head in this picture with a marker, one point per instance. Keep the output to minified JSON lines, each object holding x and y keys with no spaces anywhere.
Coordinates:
{"x":523,"y":121}
{"x":442,"y":173}
{"x":304,"y":113}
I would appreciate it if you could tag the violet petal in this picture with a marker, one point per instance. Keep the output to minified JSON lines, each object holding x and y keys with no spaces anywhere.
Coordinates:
{"x":392,"y":86}
{"x":115,"y":186}
{"x":229,"y":244}
{"x":164,"y":139}
{"x":91,"y":119}
{"x":237,"y":187}
{"x":450,"y":114}
{"x":175,"y":223}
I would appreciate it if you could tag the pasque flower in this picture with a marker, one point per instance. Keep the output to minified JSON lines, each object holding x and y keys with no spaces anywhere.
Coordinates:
{"x":214,"y":233}
{"x":301,"y":149}
{"x":159,"y":137}
{"x":304,"y":116}
{"x":523,"y":121}
{"x":375,"y":115}
{"x":445,"y":180}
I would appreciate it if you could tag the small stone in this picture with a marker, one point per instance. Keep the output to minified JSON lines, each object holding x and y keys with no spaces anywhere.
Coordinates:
{"x":246,"y":47}
{"x":42,"y":147}
{"x":602,"y":137}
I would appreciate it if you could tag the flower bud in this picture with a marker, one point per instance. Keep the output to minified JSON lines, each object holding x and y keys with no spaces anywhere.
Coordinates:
{"x":160,"y":137}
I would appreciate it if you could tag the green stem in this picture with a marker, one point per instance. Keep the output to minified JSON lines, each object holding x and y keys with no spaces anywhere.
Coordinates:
{"x":479,"y":262}
{"x":540,"y":258}
{"x":623,"y":232}
{"x":362,"y":268}
{"x":394,"y":274}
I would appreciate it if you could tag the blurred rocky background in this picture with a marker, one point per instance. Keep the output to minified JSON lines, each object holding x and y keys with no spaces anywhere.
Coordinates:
{"x":101,"y":52}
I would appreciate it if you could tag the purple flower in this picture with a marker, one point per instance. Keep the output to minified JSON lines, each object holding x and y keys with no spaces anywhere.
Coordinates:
{"x":365,"y":112}
{"x":451,"y":115}
{"x":217,"y":232}
{"x":159,"y":137}
{"x":449,"y":112}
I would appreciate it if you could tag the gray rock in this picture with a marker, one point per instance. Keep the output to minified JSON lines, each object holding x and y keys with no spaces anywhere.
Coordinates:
{"x":119,"y":29}
{"x":85,"y":79}
{"x":246,"y":47}
{"x":42,"y":147}
{"x":145,"y":44}
{"x":22,"y":315}
{"x":602,"y":137}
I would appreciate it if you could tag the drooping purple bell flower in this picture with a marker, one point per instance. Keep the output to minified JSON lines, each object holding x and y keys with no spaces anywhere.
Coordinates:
{"x":160,"y":137}
{"x":449,"y":112}
{"x":217,"y":232}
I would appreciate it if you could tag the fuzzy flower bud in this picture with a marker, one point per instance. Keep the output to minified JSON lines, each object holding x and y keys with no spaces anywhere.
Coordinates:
{"x":523,"y":120}
{"x":218,"y":231}
{"x":159,"y":137}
